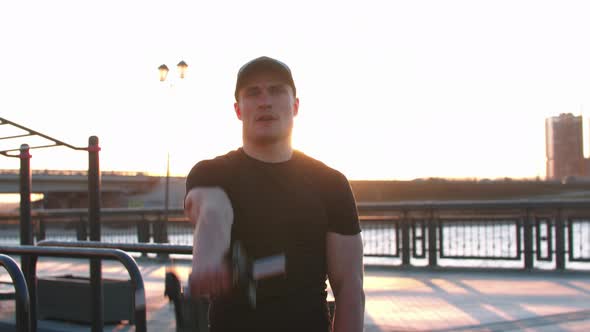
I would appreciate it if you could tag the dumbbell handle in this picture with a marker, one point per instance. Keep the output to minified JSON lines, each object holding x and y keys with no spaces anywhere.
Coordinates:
{"x":246,"y":274}
{"x":263,"y":268}
{"x":268,"y":267}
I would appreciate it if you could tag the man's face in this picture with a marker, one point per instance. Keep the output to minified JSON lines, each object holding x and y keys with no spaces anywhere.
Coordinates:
{"x":266,"y":106}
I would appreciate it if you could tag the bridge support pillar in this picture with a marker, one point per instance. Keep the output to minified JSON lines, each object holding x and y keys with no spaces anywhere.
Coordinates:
{"x":560,"y":225}
{"x":528,"y":220}
{"x":432,"y":240}
{"x":405,"y":239}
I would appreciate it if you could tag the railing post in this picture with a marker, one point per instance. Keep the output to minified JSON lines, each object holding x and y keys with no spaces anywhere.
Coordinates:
{"x":432,"y":252}
{"x":560,"y":240}
{"x":161,"y":232}
{"x":143,"y":232}
{"x":42,"y":230}
{"x":528,"y":239}
{"x":405,"y":239}
{"x":94,"y":221}
{"x":81,"y":232}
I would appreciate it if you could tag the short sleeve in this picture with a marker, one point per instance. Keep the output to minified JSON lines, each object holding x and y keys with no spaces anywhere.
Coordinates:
{"x":341,"y":206}
{"x":207,"y":173}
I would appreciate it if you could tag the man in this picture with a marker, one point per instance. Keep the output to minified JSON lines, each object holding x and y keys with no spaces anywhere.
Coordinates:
{"x":275,"y":200}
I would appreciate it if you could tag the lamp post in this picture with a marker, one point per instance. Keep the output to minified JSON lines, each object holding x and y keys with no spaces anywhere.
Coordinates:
{"x":160,"y":233}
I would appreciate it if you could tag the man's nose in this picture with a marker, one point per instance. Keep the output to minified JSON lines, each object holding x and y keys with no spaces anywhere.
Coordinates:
{"x":264,"y":100}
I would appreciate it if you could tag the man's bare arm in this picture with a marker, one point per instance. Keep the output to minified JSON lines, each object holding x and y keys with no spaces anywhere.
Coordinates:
{"x":211,"y":211}
{"x":345,"y":271}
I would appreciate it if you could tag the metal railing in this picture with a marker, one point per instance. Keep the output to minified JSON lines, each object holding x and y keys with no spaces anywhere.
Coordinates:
{"x":21,"y":294}
{"x":139,"y":300}
{"x":154,"y":248}
{"x":527,"y":232}
{"x":501,"y":230}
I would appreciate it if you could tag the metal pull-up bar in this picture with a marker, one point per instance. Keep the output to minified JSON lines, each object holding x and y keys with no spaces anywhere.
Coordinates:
{"x":32,"y":133}
{"x":94,"y":184}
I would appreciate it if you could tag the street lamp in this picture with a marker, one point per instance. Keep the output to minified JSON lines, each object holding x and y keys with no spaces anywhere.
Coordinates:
{"x":163,"y":69}
{"x":161,"y":233}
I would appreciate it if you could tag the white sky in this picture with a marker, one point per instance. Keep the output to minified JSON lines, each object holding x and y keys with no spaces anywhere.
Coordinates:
{"x":388,"y":89}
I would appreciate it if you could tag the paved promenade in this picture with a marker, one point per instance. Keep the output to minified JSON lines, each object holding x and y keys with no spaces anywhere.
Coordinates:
{"x":397,"y":299}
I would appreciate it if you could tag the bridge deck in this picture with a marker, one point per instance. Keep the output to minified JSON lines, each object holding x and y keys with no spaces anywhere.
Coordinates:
{"x":397,"y":299}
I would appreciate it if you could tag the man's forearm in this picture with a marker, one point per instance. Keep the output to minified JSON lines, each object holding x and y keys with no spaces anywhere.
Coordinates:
{"x":210,"y":275}
{"x":211,"y":238}
{"x":350,"y":309}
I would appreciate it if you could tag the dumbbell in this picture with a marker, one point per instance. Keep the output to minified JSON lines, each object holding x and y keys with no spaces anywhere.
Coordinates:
{"x":191,"y":313}
{"x":246,"y":272}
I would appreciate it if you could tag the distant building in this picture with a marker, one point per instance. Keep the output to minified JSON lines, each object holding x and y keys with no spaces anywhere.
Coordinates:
{"x":565,"y":147}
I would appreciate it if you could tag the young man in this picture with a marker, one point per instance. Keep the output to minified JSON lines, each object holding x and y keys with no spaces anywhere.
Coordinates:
{"x":275,"y":200}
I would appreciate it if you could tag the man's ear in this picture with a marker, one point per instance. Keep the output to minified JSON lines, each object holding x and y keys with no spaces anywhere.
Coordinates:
{"x":296,"y":107}
{"x":238,"y":111}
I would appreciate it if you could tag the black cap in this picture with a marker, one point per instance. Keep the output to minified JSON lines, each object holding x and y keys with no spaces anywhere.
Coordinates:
{"x":264,"y":64}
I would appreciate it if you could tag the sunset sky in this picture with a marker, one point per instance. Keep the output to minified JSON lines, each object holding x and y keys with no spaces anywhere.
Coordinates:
{"x":388,"y":89}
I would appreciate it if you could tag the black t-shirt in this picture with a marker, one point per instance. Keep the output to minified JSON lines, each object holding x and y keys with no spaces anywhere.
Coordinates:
{"x":288,"y":208}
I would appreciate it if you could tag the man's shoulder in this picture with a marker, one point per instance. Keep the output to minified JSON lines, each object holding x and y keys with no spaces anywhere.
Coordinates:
{"x":309,"y":161}
{"x":219,"y":161}
{"x":217,"y":165}
{"x":318,"y":167}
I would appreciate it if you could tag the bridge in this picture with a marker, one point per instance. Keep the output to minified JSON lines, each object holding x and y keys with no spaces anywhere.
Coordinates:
{"x":69,"y":189}
{"x":77,"y":181}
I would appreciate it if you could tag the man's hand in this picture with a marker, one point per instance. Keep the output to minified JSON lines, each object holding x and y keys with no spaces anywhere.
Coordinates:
{"x":211,"y":211}
{"x":212,"y":280}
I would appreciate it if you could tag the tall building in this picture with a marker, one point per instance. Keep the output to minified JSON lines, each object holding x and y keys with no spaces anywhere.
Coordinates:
{"x":564,"y":146}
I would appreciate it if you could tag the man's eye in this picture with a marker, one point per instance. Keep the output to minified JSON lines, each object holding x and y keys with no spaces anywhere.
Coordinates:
{"x":274,"y":90}
{"x":252,"y":92}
